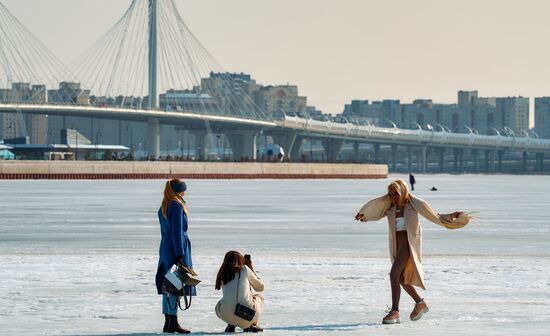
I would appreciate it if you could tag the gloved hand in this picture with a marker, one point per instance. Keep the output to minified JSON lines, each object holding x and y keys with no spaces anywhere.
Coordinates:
{"x":179,"y":261}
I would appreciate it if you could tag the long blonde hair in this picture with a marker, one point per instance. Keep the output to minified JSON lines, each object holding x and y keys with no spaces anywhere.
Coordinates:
{"x":170,"y":195}
{"x":402,"y":190}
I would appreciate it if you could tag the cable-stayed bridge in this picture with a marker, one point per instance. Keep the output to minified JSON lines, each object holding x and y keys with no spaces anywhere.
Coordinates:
{"x":151,"y":51}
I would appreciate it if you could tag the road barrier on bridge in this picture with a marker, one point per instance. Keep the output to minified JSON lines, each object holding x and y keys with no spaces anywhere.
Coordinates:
{"x":418,"y":137}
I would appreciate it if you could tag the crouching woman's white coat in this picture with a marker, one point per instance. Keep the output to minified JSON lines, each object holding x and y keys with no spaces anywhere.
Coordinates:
{"x":225,"y":309}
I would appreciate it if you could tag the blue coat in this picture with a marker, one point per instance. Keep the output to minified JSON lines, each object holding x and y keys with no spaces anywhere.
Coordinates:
{"x":174,"y":243}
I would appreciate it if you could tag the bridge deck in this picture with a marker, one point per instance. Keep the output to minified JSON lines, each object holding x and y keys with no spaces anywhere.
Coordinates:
{"x":305,"y":127}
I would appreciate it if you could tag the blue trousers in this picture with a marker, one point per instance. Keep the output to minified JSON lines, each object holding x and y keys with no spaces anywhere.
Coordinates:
{"x":169,"y":304}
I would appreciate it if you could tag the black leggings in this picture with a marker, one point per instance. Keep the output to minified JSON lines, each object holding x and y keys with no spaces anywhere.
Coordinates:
{"x":396,"y":273}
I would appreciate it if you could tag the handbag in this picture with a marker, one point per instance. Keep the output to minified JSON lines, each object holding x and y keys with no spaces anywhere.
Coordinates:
{"x":175,"y":282}
{"x":242,"y":311}
{"x":188,"y":276}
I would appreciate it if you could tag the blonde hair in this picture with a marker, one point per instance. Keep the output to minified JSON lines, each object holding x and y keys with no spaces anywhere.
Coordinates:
{"x":170,"y":195}
{"x":402,"y":190}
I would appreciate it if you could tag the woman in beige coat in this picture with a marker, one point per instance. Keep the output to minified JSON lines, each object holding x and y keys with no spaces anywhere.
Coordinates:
{"x":235,"y":278}
{"x":405,"y":238}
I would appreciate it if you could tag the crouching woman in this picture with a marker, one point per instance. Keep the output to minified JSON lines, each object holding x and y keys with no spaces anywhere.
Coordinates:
{"x":235,"y":278}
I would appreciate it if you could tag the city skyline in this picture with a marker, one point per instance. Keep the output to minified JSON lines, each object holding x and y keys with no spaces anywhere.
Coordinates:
{"x":494,"y":47}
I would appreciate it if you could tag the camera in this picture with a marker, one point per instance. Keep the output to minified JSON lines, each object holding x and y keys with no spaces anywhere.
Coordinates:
{"x":248,"y":261}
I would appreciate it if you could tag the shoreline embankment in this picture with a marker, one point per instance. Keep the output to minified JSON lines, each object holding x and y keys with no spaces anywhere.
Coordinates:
{"x":131,"y":170}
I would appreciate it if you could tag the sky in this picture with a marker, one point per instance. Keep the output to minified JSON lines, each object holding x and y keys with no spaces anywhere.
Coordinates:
{"x":339,"y":50}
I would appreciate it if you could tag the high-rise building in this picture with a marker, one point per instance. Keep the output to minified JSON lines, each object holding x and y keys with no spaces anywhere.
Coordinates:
{"x":513,"y":113}
{"x":274,"y":100}
{"x":477,"y":113}
{"x":484,"y":115}
{"x":489,"y":115}
{"x":361,"y":110}
{"x":542,"y":117}
{"x":14,"y":125}
{"x":448,"y":116}
{"x":380,"y":113}
{"x":466,"y":98}
{"x":69,"y":93}
{"x":278,"y":100}
{"x":225,"y":89}
{"x":419,"y":113}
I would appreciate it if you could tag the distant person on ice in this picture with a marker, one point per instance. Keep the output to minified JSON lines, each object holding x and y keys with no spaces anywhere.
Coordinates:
{"x":402,"y":209}
{"x":412,"y":181}
{"x":236,"y":278}
{"x":175,"y":247}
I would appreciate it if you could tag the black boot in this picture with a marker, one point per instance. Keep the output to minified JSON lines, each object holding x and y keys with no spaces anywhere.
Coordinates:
{"x":230,"y":328}
{"x":166,"y":323}
{"x":253,"y":329}
{"x":177,"y":328}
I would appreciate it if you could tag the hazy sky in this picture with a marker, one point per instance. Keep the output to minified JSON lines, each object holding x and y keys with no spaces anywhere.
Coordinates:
{"x":338,"y":50}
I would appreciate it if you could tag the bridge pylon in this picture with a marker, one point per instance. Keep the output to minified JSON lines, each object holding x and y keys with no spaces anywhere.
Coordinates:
{"x":153,"y":124}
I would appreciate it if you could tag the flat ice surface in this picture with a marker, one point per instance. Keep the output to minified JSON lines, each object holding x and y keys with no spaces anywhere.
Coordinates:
{"x":79,"y":257}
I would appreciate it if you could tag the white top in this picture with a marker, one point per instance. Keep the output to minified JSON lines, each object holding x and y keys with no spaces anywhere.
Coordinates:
{"x":400,"y":224}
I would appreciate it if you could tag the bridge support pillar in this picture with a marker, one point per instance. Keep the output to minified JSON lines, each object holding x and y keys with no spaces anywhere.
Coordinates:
{"x":524,"y":162}
{"x":409,"y":158}
{"x":376,"y":148}
{"x":441,"y":159}
{"x":424,"y":158}
{"x":201,"y":145}
{"x":356,"y":152}
{"x":290,"y":142}
{"x":461,"y":160}
{"x":500,"y":154}
{"x":488,"y":161}
{"x":455,"y":159}
{"x":394,"y":157}
{"x":474,"y":159}
{"x":419,"y":159}
{"x":243,"y":145}
{"x":458,"y":159}
{"x":153,"y":127}
{"x":332,"y":148}
{"x":540,"y":162}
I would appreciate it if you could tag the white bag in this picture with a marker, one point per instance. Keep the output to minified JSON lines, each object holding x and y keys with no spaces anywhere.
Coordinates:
{"x":181,"y":276}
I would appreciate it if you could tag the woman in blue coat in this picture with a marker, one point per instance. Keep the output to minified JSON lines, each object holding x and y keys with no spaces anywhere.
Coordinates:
{"x":175,"y":247}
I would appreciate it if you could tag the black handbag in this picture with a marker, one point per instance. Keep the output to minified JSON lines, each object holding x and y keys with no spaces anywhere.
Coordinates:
{"x":242,"y":311}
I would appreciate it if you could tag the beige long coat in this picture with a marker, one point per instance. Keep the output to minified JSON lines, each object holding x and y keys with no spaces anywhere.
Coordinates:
{"x":225,"y":309}
{"x":380,"y":207}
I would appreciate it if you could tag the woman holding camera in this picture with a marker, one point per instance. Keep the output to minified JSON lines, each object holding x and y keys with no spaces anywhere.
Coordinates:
{"x":175,"y":247}
{"x":235,"y":278}
{"x":405,"y":233}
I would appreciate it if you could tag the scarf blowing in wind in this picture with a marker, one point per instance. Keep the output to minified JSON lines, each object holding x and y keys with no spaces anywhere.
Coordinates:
{"x":377,"y":208}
